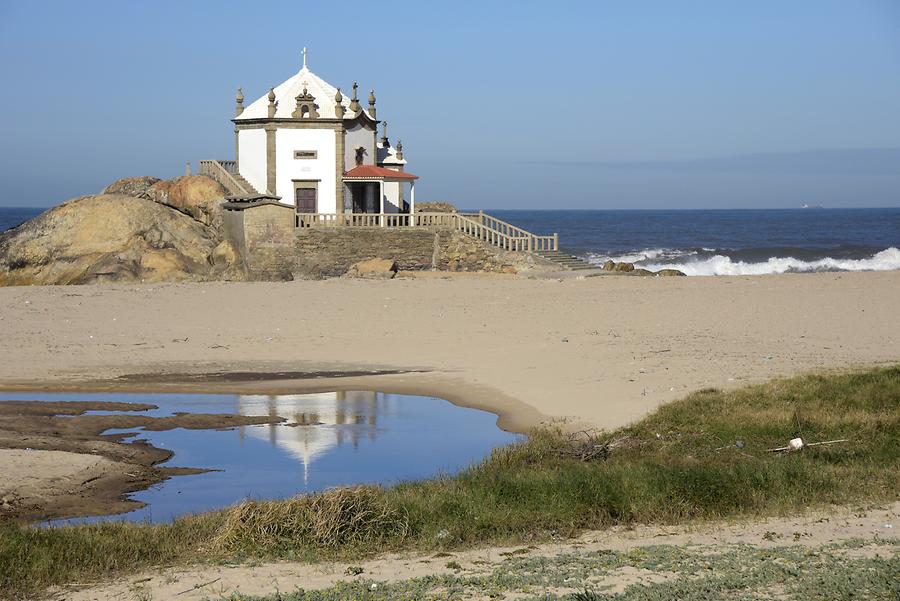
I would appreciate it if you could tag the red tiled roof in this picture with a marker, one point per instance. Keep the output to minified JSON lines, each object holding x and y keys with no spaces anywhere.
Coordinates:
{"x":373,"y":172}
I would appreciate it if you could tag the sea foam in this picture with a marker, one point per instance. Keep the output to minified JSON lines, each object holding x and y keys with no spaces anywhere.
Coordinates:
{"x":885,"y":260}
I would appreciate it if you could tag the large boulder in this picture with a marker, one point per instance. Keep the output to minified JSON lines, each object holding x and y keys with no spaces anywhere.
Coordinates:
{"x":373,"y":268}
{"x":108,"y":237}
{"x":196,"y":195}
{"x":132,"y":186}
{"x":670,"y":273}
{"x":435,"y":207}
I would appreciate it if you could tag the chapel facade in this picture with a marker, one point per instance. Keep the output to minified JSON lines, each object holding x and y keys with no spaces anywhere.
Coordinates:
{"x":307,"y":145}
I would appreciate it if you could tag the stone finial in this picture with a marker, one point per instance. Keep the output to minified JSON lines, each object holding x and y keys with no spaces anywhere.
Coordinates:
{"x":399,"y":149}
{"x":354,"y":102}
{"x":384,"y":138}
{"x":372,"y":103}
{"x":272,"y":104}
{"x":339,"y":104}
{"x":306,"y":106}
{"x":187,"y":169}
{"x":239,"y":99}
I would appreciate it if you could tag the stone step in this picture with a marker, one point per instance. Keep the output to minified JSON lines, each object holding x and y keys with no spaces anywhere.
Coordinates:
{"x":565,"y":260}
{"x":244,"y":183}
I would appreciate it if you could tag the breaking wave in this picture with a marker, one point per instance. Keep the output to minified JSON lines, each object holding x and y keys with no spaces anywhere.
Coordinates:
{"x":885,"y":260}
{"x":648,"y":254}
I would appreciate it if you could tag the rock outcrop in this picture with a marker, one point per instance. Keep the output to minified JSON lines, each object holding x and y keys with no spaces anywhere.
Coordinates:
{"x":463,"y":253}
{"x":112,"y":238}
{"x":435,"y":207}
{"x":132,"y":186}
{"x":630,"y":269}
{"x":195,"y":195}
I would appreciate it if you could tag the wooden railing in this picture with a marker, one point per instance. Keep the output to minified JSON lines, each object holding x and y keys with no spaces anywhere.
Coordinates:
{"x":222,"y":171}
{"x":477,"y":225}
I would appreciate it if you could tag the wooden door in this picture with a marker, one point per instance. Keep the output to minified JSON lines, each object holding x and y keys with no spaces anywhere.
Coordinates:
{"x":306,"y":200}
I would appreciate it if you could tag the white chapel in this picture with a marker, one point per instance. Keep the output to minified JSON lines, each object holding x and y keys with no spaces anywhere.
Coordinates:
{"x":306,"y":145}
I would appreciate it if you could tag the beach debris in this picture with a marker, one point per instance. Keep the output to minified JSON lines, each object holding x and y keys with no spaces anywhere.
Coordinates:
{"x":585,"y":446}
{"x":797,"y":444}
{"x":197,"y":586}
{"x":564,"y":339}
{"x":442,"y":534}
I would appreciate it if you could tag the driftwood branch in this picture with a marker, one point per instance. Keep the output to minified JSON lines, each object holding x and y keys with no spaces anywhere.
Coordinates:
{"x":197,"y":586}
{"x":588,"y":446}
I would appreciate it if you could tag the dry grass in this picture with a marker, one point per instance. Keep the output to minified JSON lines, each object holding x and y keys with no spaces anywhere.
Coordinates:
{"x":359,"y":517}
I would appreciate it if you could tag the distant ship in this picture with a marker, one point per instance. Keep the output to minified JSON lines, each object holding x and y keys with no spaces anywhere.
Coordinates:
{"x":806,"y":206}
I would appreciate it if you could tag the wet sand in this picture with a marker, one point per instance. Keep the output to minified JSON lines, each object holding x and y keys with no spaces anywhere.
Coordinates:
{"x":56,"y":463}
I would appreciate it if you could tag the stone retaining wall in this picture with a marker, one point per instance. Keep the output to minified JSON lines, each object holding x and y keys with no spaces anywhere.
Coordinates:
{"x":274,"y":249}
{"x":329,"y":252}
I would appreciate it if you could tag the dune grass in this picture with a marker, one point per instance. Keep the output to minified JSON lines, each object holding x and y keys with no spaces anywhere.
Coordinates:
{"x":703,"y":457}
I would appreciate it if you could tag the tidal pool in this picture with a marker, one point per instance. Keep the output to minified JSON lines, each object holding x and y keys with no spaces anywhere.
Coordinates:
{"x":329,"y":439}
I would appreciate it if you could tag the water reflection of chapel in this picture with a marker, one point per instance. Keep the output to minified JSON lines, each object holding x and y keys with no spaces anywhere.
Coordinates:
{"x":317,"y":422}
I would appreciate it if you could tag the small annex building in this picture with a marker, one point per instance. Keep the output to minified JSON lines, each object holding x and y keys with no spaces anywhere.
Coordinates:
{"x":305,"y":144}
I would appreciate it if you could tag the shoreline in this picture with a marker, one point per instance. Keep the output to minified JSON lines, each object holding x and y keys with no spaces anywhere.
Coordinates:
{"x":57,"y":463}
{"x":512,"y":415}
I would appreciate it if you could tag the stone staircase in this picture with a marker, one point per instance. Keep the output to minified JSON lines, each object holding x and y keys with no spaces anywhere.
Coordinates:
{"x":226,"y":173}
{"x":565,"y":260}
{"x":248,"y":189}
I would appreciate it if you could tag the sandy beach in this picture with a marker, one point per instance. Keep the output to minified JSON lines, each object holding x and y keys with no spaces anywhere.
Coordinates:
{"x":586,"y":353}
{"x":595,"y":352}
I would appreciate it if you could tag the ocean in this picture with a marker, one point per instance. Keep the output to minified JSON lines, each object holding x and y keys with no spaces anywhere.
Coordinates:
{"x":10,"y":217}
{"x":701,"y":242}
{"x":726,"y":242}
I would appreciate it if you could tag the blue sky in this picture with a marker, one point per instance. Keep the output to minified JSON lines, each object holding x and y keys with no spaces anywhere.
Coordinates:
{"x":628,"y":104}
